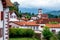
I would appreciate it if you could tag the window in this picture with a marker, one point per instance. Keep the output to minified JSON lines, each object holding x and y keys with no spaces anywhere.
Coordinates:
{"x":11,"y":16}
{"x":17,"y":27}
{"x":36,"y":28}
{"x":14,"y":16}
{"x":33,"y":28}
{"x":10,"y":26}
{"x":42,"y":26}
{"x":13,"y":27}
{"x":54,"y":31}
{"x":1,"y":32}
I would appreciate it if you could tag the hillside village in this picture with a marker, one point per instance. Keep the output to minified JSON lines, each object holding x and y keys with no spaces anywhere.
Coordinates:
{"x":35,"y":23}
{"x":9,"y":19}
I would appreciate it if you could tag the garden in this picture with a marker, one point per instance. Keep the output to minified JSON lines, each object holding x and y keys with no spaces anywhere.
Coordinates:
{"x":29,"y":34}
{"x":21,"y":34}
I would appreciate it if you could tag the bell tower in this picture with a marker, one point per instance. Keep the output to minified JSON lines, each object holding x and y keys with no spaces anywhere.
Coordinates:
{"x":39,"y":13}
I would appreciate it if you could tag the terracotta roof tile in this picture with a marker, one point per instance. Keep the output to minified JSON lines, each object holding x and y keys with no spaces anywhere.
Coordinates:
{"x":8,"y":3}
{"x":53,"y":25}
{"x":24,"y":23}
{"x":45,"y":21}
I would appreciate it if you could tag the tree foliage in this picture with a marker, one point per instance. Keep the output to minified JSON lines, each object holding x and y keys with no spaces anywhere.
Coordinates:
{"x":18,"y":32}
{"x":53,"y":23}
{"x":58,"y":35}
{"x":47,"y":33}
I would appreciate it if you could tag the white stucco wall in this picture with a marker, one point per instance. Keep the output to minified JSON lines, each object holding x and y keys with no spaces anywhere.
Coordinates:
{"x":1,"y":6}
{"x":57,"y":29}
{"x":33,"y":18}
{"x":1,"y":22}
{"x":32,"y":27}
{"x":27,"y":27}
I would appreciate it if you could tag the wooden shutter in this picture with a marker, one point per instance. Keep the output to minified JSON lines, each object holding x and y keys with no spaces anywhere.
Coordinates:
{"x":1,"y":15}
{"x":1,"y":32}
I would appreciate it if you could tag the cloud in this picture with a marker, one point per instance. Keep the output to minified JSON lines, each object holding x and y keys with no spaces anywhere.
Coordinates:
{"x":54,"y":4}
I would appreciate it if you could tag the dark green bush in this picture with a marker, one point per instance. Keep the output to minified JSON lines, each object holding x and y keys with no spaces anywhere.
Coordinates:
{"x":18,"y":32}
{"x":29,"y":32}
{"x":58,"y":35}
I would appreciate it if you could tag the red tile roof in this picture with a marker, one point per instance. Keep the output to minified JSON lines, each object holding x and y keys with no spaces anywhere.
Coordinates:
{"x":44,"y":15}
{"x":25,"y":23}
{"x":45,"y":21}
{"x":53,"y":25}
{"x":7,"y":3}
{"x":11,"y":12}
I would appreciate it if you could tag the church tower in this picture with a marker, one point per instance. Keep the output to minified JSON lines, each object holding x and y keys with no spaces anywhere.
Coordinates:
{"x":39,"y":13}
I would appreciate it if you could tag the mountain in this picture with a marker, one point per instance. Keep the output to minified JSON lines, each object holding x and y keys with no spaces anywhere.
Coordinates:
{"x":54,"y":12}
{"x":33,"y":10}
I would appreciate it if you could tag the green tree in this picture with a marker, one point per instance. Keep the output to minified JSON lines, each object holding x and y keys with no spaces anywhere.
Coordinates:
{"x":53,"y":22}
{"x":28,"y":17}
{"x":58,"y":35}
{"x":59,"y":16}
{"x":16,"y":4}
{"x":47,"y":33}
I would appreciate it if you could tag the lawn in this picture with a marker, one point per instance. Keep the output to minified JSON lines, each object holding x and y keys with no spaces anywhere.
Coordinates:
{"x":23,"y":39}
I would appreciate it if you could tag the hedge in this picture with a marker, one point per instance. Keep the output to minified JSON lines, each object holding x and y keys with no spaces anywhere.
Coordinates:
{"x":18,"y":32}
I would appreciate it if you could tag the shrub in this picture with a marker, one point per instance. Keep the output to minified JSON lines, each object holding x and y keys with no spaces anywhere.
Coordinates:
{"x":18,"y":32}
{"x":29,"y":32}
{"x":58,"y":35}
{"x":12,"y":32}
{"x":47,"y":33}
{"x":54,"y":37}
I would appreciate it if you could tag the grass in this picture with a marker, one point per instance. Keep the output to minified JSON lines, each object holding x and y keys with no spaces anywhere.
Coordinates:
{"x":23,"y":39}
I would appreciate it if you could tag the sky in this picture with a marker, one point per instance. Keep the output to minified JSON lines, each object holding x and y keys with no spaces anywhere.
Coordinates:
{"x":36,"y":4}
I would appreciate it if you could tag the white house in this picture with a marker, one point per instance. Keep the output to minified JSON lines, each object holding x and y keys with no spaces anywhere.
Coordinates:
{"x":54,"y":27}
{"x":13,"y":16}
{"x":26,"y":24}
{"x":4,"y":19}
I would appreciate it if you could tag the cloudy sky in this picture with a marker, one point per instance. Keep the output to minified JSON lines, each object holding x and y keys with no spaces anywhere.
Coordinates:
{"x":48,"y":4}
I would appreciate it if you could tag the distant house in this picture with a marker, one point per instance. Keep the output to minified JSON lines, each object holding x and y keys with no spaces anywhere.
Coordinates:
{"x":13,"y":16}
{"x":25,"y":24}
{"x":41,"y":15}
{"x":47,"y":20}
{"x":34,"y":18}
{"x":36,"y":23}
{"x":54,"y":27}
{"x":23,"y":16}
